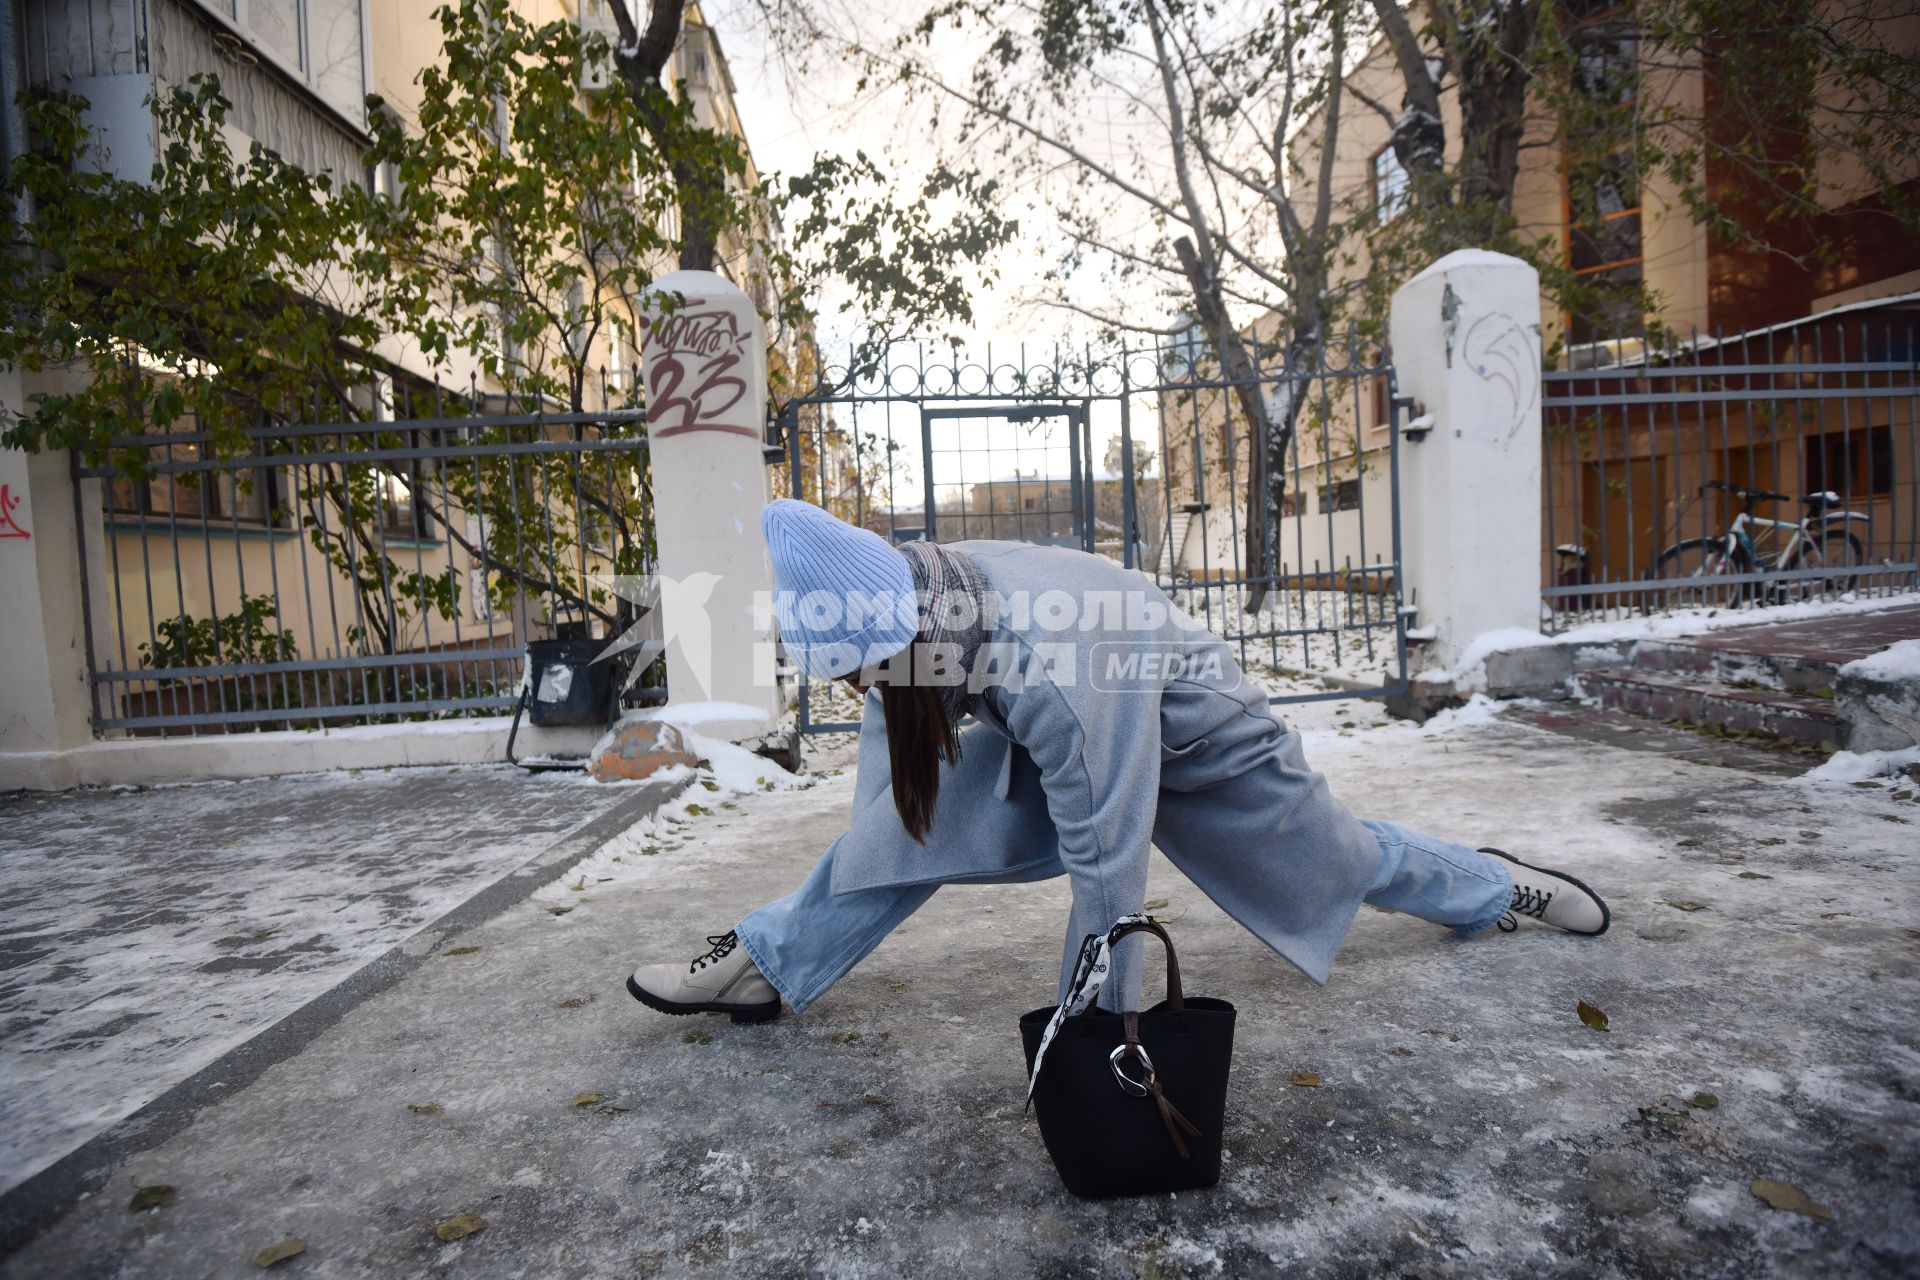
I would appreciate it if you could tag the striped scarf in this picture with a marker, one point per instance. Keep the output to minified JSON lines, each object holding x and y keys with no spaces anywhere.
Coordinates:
{"x":956,"y":612}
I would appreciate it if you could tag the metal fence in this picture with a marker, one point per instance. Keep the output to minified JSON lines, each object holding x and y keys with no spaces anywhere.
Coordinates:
{"x":356,"y":572}
{"x":1712,"y":473}
{"x":1147,"y":456}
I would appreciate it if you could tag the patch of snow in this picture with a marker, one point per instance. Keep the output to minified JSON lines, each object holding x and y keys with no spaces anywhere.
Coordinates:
{"x":1470,"y":670}
{"x":1862,"y":766}
{"x":1478,"y":711}
{"x":1898,"y":661}
{"x":1692,"y":622}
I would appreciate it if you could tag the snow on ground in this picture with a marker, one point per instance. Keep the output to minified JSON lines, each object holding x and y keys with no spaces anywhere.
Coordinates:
{"x":145,"y":932}
{"x":1898,"y":661}
{"x":1859,"y":766}
{"x":1693,"y":622}
{"x":1464,"y":1121}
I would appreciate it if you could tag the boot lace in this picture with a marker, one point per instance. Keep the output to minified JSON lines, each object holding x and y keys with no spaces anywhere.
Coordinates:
{"x":722,"y":944}
{"x":1527,"y":901}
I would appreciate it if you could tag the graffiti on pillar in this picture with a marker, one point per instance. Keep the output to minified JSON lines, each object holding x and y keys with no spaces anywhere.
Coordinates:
{"x":1501,"y":351}
{"x":9,"y":527}
{"x":695,"y":361}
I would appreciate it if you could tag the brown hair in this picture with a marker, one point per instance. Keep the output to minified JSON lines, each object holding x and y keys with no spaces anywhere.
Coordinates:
{"x":919,"y":738}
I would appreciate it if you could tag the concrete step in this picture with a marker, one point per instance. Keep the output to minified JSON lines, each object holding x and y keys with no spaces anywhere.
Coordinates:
{"x":1776,"y":713}
{"x":1796,"y":673}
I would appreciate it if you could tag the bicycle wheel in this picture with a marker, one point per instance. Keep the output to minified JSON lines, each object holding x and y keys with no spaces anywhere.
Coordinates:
{"x":1828,"y":548}
{"x":1684,"y":576}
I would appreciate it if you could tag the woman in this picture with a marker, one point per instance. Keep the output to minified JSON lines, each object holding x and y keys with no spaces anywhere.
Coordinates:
{"x":1108,"y":721}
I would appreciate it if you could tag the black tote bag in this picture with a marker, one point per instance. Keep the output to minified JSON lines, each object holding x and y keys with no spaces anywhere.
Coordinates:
{"x":1101,"y":1108}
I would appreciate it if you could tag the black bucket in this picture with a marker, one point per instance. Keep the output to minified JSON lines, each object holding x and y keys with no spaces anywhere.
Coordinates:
{"x":568,"y":686}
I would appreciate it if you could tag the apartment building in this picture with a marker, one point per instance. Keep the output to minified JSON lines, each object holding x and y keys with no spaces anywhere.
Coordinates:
{"x":180,"y":553}
{"x":1624,"y":481}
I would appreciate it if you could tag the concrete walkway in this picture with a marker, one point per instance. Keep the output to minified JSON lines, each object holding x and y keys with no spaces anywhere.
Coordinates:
{"x":1759,"y":981}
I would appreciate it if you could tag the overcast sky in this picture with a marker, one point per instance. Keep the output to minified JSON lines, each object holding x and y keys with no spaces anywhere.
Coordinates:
{"x":788,"y":125}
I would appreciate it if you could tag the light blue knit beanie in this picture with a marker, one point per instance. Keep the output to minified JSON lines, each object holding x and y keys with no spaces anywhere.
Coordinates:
{"x":842,"y":596}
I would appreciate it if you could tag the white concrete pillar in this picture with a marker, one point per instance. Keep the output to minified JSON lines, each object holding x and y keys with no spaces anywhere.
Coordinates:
{"x":1465,"y":335}
{"x":705,"y":365}
{"x":44,"y":713}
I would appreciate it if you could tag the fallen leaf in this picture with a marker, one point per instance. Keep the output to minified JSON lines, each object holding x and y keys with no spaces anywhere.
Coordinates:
{"x":709,"y":784}
{"x":696,"y":1037}
{"x":291,"y":1247}
{"x":1156,"y":905}
{"x":576,"y":1002}
{"x":845,"y":1037}
{"x":1306,"y":1080}
{"x":459,"y":1227}
{"x":459,"y":951}
{"x":1754,"y":875}
{"x":1704,"y":1101}
{"x":424,"y":1108}
{"x":559,"y":911}
{"x":1691,"y":842}
{"x":1592,"y":1015}
{"x":585,"y":1099}
{"x":1686,"y":904}
{"x":1404,"y":1053}
{"x":1784,"y":1195}
{"x":876,"y":1100}
{"x":157,"y":1196}
{"x":695,"y":810}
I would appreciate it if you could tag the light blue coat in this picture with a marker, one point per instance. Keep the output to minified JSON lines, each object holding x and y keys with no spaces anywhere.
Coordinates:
{"x":1071,"y":776}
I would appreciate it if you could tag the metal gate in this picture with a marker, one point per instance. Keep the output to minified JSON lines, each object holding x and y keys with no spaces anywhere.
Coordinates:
{"x":343,"y":573}
{"x":1145,"y":456}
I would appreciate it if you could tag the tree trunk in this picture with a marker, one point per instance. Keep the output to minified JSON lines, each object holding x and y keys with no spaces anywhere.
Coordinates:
{"x":1492,"y":62}
{"x":699,"y":186}
{"x":1270,"y":433}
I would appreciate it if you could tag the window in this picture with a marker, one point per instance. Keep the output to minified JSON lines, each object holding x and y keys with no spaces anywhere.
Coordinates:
{"x":246,"y":496}
{"x":318,"y":42}
{"x":1389,"y":185}
{"x":1342,"y":495}
{"x":617,"y":362}
{"x":1853,"y":464}
{"x":383,"y":179}
{"x":1601,"y":175}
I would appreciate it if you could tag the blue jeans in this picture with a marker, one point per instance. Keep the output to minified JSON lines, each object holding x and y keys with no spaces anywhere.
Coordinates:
{"x":810,"y":939}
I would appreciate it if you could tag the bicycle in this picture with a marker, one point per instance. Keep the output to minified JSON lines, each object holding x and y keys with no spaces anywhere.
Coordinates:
{"x":1820,"y":539}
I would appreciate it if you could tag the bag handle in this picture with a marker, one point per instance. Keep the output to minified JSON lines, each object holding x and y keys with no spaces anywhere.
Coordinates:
{"x":1176,"y":998}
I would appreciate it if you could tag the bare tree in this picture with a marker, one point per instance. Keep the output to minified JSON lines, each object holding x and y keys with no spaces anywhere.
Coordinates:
{"x":1156,"y":132}
{"x":1748,"y":108}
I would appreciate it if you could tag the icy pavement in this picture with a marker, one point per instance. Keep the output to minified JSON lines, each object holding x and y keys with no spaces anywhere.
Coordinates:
{"x":143,"y":933}
{"x":1759,"y":983}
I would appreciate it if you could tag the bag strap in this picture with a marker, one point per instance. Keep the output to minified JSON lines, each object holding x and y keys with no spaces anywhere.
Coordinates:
{"x":1169,"y":1114}
{"x":1176,"y":997}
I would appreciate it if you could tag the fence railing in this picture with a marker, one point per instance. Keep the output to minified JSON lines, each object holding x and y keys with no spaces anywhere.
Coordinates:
{"x":1764,"y":468}
{"x":356,"y":572}
{"x":1151,"y":456}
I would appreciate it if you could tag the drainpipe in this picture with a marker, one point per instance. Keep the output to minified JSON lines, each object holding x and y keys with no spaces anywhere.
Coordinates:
{"x":13,"y":118}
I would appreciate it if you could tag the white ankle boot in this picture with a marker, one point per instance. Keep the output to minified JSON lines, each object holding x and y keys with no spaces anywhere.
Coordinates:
{"x":1552,"y":897}
{"x":723,"y":980}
